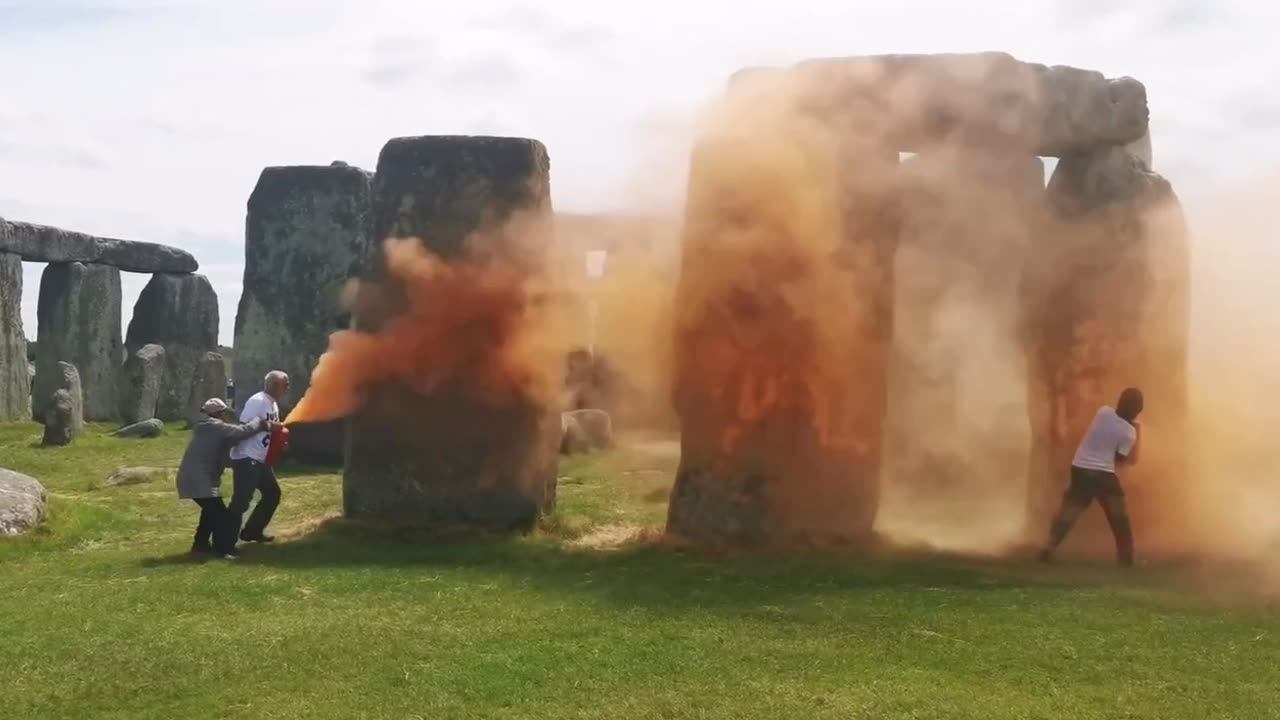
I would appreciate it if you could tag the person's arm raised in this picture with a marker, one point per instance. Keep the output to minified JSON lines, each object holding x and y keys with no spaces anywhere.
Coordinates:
{"x":1132,"y":457}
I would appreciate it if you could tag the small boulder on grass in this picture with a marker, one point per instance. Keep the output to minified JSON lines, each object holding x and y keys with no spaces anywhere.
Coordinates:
{"x":585,"y":431}
{"x":146,"y":429}
{"x":22,"y":503}
{"x":60,"y":426}
{"x":136,"y":476}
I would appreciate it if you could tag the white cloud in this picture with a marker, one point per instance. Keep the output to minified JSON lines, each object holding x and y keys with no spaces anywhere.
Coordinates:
{"x":151,"y":120}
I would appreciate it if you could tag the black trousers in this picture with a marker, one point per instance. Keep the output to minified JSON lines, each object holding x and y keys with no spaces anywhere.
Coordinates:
{"x":211,"y":532}
{"x":251,"y":476}
{"x":1087,"y":486}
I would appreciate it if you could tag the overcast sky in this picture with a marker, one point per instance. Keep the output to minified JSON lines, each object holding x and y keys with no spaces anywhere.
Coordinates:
{"x":152,"y":120}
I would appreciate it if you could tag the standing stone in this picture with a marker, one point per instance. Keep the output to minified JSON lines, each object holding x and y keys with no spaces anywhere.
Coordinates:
{"x":306,"y":236}
{"x":23,"y":503}
{"x":63,"y":410}
{"x":783,"y":322}
{"x":1107,"y":298}
{"x":211,"y":382}
{"x":179,"y":313}
{"x":15,"y":387}
{"x":143,"y":379}
{"x":78,"y":321}
{"x":957,"y":431}
{"x":449,"y":457}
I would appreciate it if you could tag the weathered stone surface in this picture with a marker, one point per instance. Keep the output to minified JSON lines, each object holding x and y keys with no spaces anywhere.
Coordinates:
{"x":991,"y":98}
{"x":41,"y":243}
{"x":152,"y":428}
{"x":317,"y":443}
{"x":137,"y":476}
{"x":573,"y":438}
{"x":1107,"y":302}
{"x":179,"y":313}
{"x":1141,"y":149}
{"x":143,"y":379}
{"x":78,"y":321}
{"x":781,"y":399}
{"x":23,"y":502}
{"x":448,"y":458}
{"x":59,"y":419}
{"x":15,"y":388}
{"x":957,"y":432}
{"x":210,"y":382}
{"x":585,"y":431}
{"x":306,"y":235}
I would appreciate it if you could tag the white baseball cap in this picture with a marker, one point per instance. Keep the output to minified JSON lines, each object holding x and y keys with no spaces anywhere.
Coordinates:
{"x":214,"y":406}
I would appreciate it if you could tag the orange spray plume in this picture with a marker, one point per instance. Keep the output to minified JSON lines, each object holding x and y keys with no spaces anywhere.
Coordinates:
{"x":460,"y":321}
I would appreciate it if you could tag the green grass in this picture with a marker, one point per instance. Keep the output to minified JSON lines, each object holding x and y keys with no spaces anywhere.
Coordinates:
{"x":103,"y":616}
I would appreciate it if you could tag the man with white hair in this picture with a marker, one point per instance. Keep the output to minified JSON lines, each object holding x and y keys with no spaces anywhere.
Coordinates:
{"x":200,"y":474}
{"x":249,"y":469}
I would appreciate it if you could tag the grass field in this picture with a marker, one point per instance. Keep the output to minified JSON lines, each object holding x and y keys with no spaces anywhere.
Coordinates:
{"x":102,"y":615}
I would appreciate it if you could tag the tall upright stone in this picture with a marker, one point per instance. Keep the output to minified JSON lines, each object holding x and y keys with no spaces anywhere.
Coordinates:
{"x":783,"y":326}
{"x":142,"y":381}
{"x":180,"y":314}
{"x":210,"y":382}
{"x":306,"y":236}
{"x":1107,"y":301}
{"x":956,"y":423}
{"x":448,"y":457}
{"x":15,"y":386}
{"x":78,"y":321}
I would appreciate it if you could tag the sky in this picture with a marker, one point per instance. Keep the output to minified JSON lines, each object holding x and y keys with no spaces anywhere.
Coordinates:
{"x":152,"y":120}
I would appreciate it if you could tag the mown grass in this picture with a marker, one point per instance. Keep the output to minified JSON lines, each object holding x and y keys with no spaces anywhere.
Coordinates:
{"x":103,"y":616}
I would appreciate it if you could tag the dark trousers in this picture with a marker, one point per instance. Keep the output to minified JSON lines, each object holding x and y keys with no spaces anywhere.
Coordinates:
{"x":1087,"y":486}
{"x":250,"y":476}
{"x":211,"y":532}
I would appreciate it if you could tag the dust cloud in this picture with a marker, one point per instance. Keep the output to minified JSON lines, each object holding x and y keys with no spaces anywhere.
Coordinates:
{"x":1235,"y":374}
{"x":487,"y":324}
{"x":955,"y":462}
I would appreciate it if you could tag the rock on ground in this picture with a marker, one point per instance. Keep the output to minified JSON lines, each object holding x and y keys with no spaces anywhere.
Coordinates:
{"x":585,"y":431}
{"x":59,"y":420}
{"x":146,"y":429}
{"x":137,"y":476}
{"x":63,"y":409}
{"x":179,"y":313}
{"x":306,"y":235}
{"x":23,"y":503}
{"x":143,"y":379}
{"x":41,"y":243}
{"x":15,"y":387}
{"x":79,"y":322}
{"x":446,"y":458}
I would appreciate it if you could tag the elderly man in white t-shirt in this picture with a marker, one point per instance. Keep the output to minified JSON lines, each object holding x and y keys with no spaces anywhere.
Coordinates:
{"x":1114,"y":437}
{"x":250,"y":472}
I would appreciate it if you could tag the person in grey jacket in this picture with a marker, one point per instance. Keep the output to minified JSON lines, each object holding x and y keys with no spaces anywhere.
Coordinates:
{"x":200,"y":474}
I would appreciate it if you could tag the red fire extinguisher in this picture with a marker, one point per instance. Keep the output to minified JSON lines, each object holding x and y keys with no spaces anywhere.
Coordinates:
{"x":279,"y":442}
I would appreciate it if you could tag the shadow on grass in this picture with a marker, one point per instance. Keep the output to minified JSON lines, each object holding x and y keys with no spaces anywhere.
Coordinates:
{"x":652,"y":574}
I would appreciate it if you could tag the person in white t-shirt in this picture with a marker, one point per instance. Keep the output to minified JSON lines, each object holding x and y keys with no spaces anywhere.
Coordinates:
{"x":249,"y":470}
{"x":1115,"y":436}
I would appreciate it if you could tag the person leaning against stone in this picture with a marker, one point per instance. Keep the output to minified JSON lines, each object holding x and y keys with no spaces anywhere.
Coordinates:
{"x":1114,"y":438}
{"x":200,"y":474}
{"x":249,"y":468}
